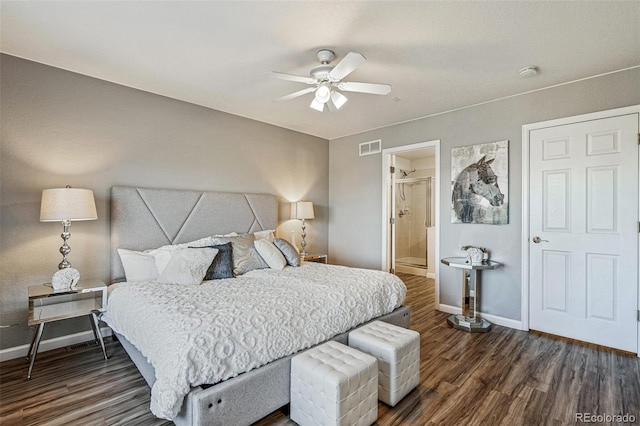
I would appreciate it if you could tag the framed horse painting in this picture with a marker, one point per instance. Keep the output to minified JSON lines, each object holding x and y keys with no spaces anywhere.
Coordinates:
{"x":480,"y":183}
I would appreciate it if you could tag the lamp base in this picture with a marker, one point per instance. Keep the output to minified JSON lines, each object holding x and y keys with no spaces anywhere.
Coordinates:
{"x":304,"y":240}
{"x":65,"y":249}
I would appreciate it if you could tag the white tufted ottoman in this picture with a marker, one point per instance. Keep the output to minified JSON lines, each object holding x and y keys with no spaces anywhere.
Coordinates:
{"x":333,"y":384}
{"x":398,"y":352}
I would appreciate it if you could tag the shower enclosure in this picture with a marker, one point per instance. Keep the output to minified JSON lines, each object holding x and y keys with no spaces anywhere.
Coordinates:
{"x":414,"y":223}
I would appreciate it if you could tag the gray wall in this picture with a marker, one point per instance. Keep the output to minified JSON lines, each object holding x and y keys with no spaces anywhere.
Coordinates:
{"x":355,"y":222}
{"x":60,"y":128}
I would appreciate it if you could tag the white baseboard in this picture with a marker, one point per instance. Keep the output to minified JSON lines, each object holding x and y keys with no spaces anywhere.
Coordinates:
{"x":505,"y":322}
{"x":449,"y":309}
{"x":55,"y":343}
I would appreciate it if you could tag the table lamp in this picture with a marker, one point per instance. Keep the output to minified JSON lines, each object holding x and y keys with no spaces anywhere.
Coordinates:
{"x":66,"y":205}
{"x":302,"y":210}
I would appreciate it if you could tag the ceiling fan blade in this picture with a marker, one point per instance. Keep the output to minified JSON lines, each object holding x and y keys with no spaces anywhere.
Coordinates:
{"x":338,"y":99}
{"x":372,"y":88}
{"x":346,"y":66}
{"x":295,"y":94}
{"x":290,"y":77}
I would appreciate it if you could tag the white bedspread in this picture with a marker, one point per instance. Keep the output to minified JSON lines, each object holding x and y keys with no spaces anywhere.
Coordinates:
{"x":195,"y":335}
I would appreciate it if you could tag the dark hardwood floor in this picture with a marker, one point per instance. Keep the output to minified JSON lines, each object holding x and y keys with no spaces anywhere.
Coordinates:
{"x":504,"y":377}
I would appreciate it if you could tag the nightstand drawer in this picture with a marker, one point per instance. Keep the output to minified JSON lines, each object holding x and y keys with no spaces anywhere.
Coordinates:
{"x":47,"y":304}
{"x":317,"y":258}
{"x":62,"y":307}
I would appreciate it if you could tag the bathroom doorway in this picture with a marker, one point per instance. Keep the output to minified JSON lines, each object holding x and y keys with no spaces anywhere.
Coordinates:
{"x":411,"y":208}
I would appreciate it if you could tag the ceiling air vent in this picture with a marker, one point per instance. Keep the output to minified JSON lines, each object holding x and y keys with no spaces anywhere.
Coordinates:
{"x":371,"y":147}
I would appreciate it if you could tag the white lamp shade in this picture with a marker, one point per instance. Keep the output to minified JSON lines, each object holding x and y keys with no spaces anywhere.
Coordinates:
{"x":338,"y":99}
{"x":323,"y":93}
{"x":302,"y":210}
{"x":60,"y":204}
{"x":318,"y":106}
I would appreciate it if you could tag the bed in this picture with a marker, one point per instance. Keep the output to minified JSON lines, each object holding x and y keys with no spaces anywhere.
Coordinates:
{"x":143,"y":218}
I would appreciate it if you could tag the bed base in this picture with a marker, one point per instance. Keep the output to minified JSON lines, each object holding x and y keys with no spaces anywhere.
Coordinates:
{"x":246,"y":398}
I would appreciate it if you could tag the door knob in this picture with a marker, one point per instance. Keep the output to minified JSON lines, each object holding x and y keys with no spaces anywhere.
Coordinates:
{"x":538,"y":240}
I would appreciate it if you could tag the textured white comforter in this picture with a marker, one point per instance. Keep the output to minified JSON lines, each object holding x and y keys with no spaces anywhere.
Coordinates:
{"x":195,"y":335}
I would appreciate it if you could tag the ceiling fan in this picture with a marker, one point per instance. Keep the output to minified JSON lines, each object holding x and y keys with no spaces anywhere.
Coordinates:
{"x":326,"y":81}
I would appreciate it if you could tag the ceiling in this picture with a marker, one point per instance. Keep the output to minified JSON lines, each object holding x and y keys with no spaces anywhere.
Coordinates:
{"x":438,"y":56}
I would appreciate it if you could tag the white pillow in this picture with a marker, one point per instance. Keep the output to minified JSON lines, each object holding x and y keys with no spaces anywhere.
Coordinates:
{"x":202,"y":242}
{"x":148,"y":265}
{"x":230,"y":234}
{"x":163,"y":254}
{"x":143,"y":265}
{"x":264,"y":235}
{"x":271,"y":254}
{"x":187,"y":266}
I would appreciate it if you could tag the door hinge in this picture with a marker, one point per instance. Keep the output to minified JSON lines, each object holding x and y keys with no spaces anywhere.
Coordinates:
{"x":392,"y":169}
{"x":392,"y":221}
{"x":393,"y":271}
{"x":638,"y":227}
{"x":638,"y":315}
{"x":638,"y":138}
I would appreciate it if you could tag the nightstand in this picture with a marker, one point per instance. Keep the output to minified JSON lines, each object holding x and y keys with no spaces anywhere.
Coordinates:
{"x":88,"y":297}
{"x":317,"y":258}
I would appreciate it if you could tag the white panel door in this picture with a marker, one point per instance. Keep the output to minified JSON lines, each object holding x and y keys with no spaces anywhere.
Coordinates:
{"x":584,"y":231}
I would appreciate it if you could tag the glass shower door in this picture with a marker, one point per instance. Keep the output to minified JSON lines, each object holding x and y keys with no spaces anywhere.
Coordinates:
{"x":412,"y":219}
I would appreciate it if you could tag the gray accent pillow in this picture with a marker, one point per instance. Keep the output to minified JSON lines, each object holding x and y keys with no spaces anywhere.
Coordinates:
{"x":222,"y":265}
{"x":289,"y":251}
{"x":245,"y":255}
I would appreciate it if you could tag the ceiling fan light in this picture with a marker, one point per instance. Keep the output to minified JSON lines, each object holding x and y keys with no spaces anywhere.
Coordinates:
{"x":338,"y":99}
{"x":323,"y":94}
{"x":318,"y":106}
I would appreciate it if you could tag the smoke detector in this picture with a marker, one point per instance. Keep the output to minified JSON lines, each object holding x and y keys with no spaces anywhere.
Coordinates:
{"x":528,"y":72}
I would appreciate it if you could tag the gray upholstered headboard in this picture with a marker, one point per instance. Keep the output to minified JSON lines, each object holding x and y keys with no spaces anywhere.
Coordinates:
{"x":145,"y":218}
